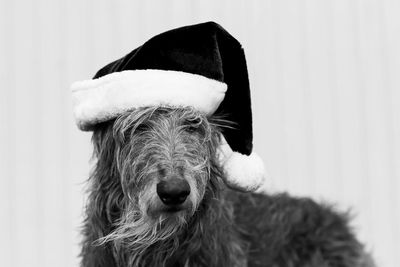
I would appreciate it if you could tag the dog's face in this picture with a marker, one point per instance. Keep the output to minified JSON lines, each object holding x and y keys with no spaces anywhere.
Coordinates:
{"x":165,"y":160}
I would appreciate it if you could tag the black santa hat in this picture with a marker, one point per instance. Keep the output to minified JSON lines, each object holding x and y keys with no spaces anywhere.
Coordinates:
{"x":201,"y":66}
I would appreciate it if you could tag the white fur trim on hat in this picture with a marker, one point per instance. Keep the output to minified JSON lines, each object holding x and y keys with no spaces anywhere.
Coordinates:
{"x":242,"y":171}
{"x":107,"y":97}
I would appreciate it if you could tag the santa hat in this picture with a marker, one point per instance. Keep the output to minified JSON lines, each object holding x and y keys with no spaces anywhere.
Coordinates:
{"x":201,"y":66}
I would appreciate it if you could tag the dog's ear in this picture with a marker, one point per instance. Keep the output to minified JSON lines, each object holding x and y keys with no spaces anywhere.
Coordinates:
{"x":104,"y":176}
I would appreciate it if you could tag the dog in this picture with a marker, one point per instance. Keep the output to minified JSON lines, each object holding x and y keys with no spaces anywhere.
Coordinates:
{"x":158,"y":197}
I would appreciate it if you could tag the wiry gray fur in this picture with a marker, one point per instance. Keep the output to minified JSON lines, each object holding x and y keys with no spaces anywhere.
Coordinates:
{"x":126,"y":225}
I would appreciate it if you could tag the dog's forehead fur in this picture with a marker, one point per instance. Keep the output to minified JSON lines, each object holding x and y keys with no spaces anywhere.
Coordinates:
{"x":163,"y":120}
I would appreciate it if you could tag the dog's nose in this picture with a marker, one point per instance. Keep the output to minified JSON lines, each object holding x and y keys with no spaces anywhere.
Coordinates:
{"x":173,"y":191}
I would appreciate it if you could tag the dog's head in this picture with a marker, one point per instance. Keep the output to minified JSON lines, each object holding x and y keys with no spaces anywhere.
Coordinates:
{"x":159,"y":164}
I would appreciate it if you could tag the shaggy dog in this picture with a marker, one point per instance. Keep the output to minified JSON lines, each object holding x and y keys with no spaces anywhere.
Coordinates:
{"x":158,"y":197}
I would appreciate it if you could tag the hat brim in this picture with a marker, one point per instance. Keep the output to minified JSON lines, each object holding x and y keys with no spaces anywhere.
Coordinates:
{"x":105,"y":98}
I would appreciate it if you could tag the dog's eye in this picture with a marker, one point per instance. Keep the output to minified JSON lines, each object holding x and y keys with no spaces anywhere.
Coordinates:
{"x":191,"y":129}
{"x":192,"y":126}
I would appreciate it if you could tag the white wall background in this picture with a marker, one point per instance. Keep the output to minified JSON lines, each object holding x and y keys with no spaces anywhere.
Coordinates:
{"x":325,"y":77}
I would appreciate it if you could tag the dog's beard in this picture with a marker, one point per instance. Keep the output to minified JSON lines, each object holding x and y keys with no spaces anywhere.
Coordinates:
{"x":144,"y":220}
{"x":136,"y":233}
{"x":140,"y":227}
{"x":139,"y":232}
{"x":146,"y":224}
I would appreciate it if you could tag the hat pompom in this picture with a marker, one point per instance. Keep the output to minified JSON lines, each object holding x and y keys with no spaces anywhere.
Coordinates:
{"x":244,"y":172}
